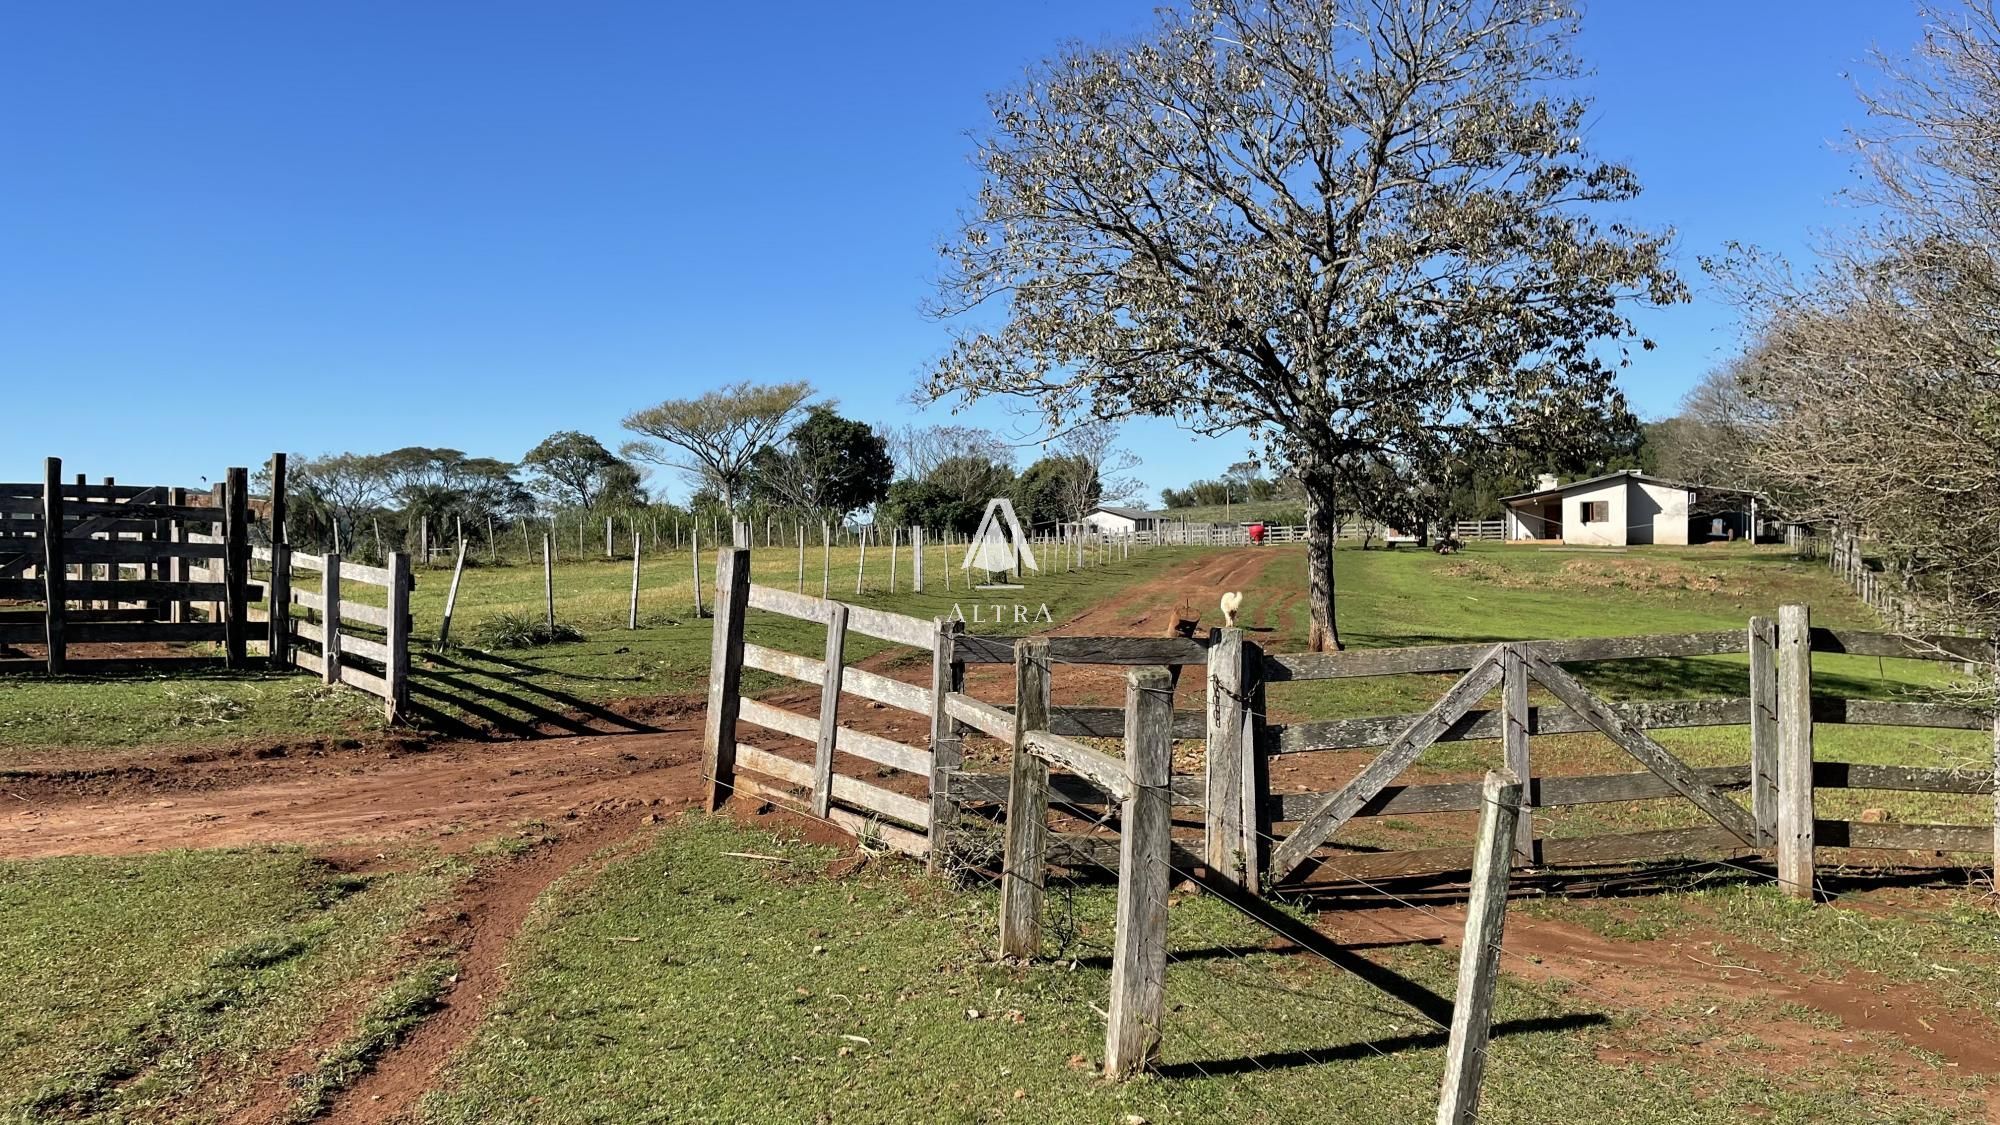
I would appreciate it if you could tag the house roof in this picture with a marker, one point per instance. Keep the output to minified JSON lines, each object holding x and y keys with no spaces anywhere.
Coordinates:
{"x":1571,"y":486}
{"x":1128,"y":513}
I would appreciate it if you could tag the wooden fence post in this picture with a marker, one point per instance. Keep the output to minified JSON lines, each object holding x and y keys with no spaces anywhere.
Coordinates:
{"x":825,"y":560}
{"x":725,"y":675}
{"x":632,"y":613}
{"x":1515,"y":715}
{"x":1139,"y":946}
{"x":236,"y":568}
{"x":917,"y":559}
{"x":1479,"y":953}
{"x":829,"y":707}
{"x":278,"y":597}
{"x":1994,"y":668}
{"x":947,"y":738}
{"x":397,"y":671}
{"x":177,"y":567}
{"x":1764,"y":727}
{"x":607,"y":539}
{"x":451,"y":597}
{"x":1026,"y":861}
{"x":53,"y":577}
{"x":1795,"y":751}
{"x":1229,"y":844}
{"x":329,"y":645}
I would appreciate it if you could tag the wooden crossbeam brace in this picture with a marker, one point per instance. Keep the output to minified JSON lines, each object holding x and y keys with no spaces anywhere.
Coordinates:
{"x":1338,"y":808}
{"x":1641,"y":746}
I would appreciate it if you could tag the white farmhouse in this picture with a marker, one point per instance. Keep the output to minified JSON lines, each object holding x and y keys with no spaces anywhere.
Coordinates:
{"x":1612,"y":510}
{"x":1122,"y":522}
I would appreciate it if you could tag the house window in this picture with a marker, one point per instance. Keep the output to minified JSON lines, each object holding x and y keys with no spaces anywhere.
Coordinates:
{"x":1596,"y":511}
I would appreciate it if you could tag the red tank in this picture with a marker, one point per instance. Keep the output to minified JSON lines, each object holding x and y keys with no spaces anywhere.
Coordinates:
{"x":1257,"y":534}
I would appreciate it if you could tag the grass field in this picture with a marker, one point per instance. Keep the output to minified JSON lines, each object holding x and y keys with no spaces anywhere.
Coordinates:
{"x":161,"y":988}
{"x":874,"y":997}
{"x":1248,"y":511}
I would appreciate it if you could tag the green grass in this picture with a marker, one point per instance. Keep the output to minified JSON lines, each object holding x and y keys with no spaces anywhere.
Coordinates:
{"x":1248,"y":511}
{"x":688,"y":985}
{"x":160,"y":988}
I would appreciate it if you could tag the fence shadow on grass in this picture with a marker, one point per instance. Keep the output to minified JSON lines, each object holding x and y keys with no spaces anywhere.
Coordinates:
{"x":510,"y":705}
{"x":1368,"y":1048}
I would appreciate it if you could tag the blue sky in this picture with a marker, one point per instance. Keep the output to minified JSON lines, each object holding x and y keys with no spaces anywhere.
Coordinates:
{"x":226,"y":228}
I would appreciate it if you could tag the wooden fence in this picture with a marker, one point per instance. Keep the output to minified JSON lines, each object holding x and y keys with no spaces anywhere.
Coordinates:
{"x":1247,"y":829}
{"x":1881,"y":587}
{"x":826,"y":783}
{"x":124,"y":568}
{"x":1230,"y":533}
{"x":1256,"y":838}
{"x":341,"y":640}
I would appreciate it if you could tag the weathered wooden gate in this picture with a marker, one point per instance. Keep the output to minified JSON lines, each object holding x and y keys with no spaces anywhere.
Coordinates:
{"x":1510,"y":667}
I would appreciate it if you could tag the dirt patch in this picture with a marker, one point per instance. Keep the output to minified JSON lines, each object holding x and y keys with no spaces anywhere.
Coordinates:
{"x":452,"y":794}
{"x":1650,"y":575}
{"x":1802,"y":1019}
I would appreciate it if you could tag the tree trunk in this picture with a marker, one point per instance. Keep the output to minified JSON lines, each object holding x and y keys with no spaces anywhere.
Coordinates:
{"x":1322,"y":530}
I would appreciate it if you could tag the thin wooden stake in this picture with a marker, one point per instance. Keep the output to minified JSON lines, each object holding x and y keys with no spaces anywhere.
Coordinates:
{"x":861,"y":566}
{"x":694,"y":557}
{"x":451,"y":597}
{"x":829,"y":708}
{"x":549,"y":580}
{"x":632,"y":615}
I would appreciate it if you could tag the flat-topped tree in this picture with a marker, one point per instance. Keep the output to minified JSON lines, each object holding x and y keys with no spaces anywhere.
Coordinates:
{"x":715,"y":437}
{"x":1354,"y":228}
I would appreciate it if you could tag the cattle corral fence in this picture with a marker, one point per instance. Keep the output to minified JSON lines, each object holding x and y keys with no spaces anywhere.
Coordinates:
{"x":85,"y":565}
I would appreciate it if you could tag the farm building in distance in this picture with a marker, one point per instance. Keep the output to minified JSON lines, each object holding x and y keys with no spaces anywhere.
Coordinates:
{"x":1624,"y":508}
{"x":1123,"y":521}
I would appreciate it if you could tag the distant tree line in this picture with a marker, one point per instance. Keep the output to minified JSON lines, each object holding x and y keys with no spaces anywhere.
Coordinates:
{"x":762,"y":453}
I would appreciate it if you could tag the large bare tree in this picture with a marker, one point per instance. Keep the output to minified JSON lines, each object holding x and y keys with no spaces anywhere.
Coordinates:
{"x":1102,"y":467}
{"x":1876,"y":374}
{"x":1339,"y":224}
{"x":714,"y":438}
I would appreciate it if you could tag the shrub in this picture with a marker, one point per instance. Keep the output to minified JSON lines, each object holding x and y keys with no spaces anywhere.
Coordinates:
{"x":524,"y":630}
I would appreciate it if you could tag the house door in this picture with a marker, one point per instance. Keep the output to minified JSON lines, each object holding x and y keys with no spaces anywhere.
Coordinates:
{"x":1552,"y":520}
